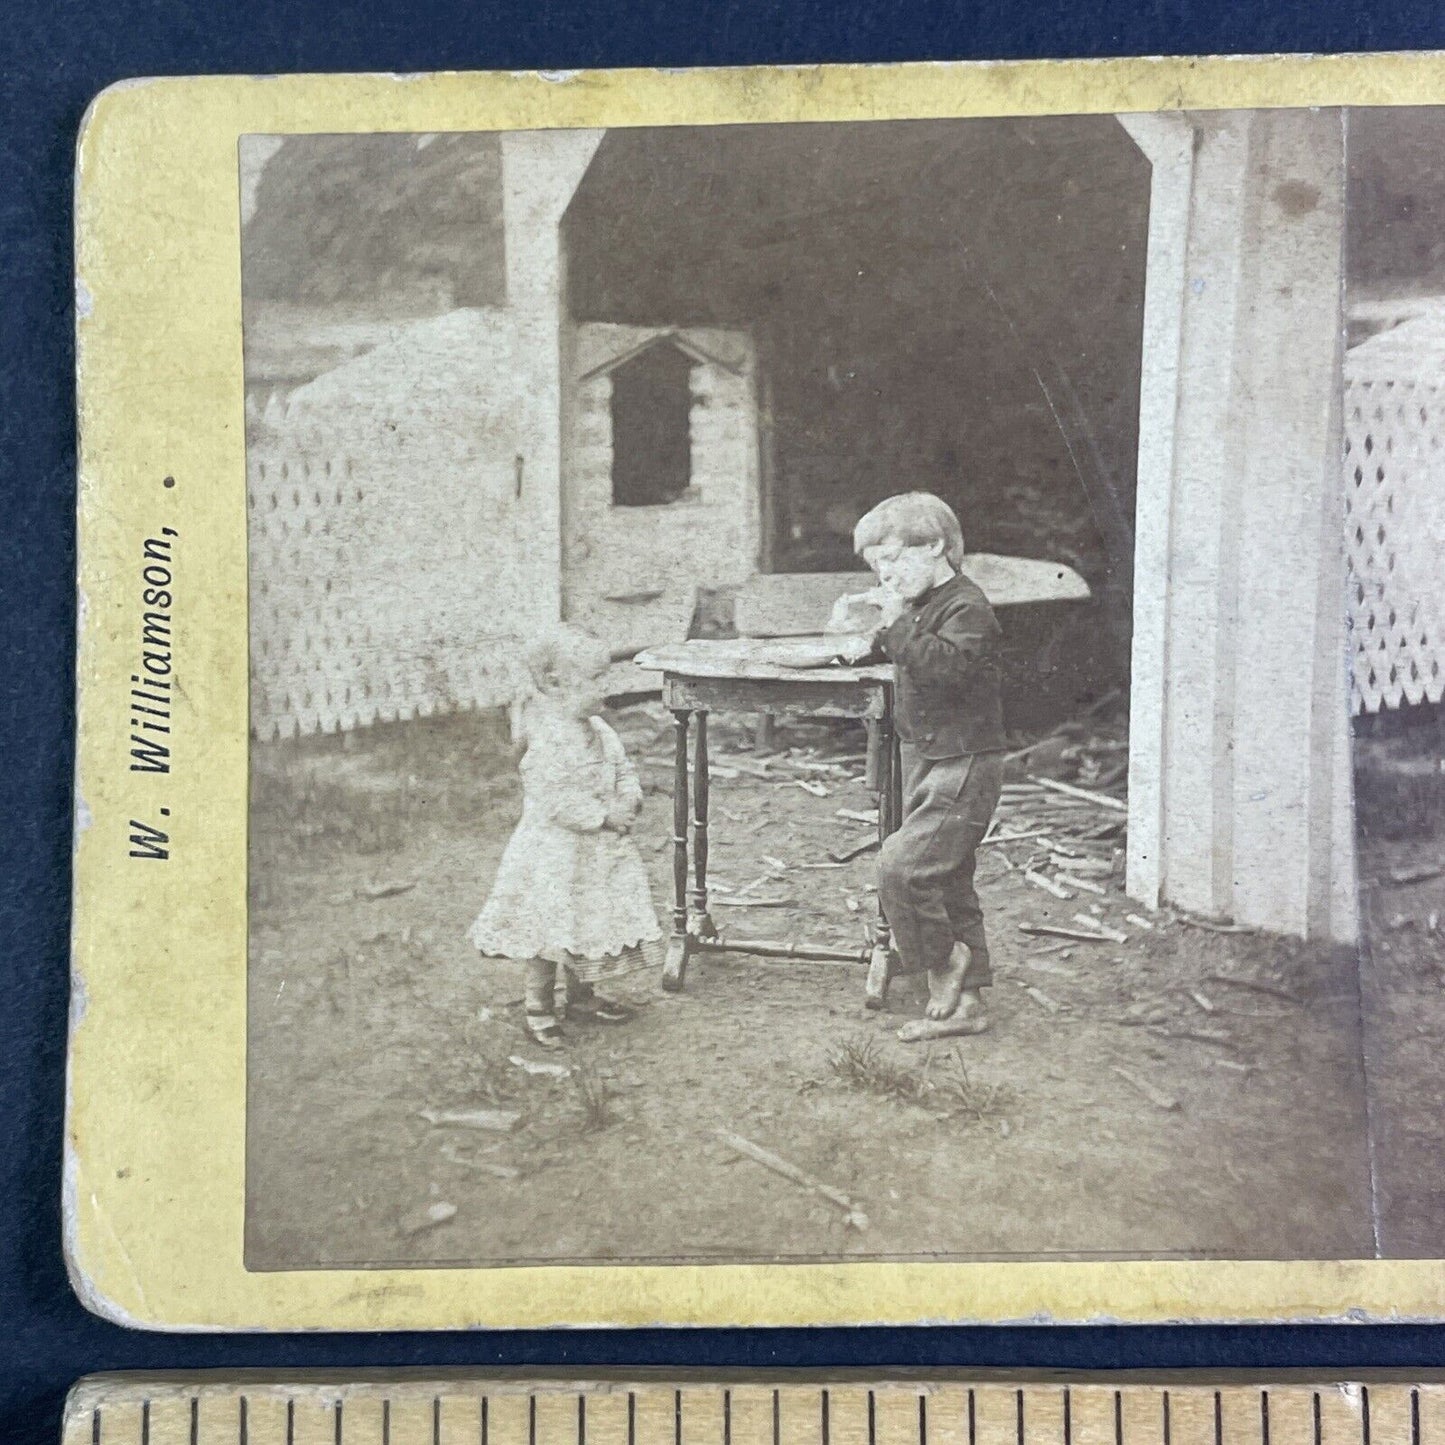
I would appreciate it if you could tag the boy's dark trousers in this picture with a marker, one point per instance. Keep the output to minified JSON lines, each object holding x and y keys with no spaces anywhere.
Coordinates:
{"x":925,"y":871}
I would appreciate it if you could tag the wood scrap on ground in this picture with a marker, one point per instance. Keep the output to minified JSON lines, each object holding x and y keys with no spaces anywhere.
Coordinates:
{"x":1210,"y":926}
{"x":1045,"y":965}
{"x":854,"y":1212}
{"x":1114,"y":935}
{"x":1049,"y":930}
{"x":1100,"y":800}
{"x":483,"y":1166}
{"x":1013,"y":837}
{"x":373,"y":891}
{"x":1198,"y":1036}
{"x":808,"y":785}
{"x":736,"y":765}
{"x":497,"y":1121}
{"x":1045,"y":1001}
{"x":1047,"y":884}
{"x":1255,"y":985}
{"x":1078,"y":863}
{"x":1155,"y":1096}
{"x":428,"y":1217}
{"x":847,"y":855}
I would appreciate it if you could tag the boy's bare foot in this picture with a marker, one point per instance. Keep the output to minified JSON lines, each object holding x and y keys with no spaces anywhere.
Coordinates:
{"x":945,"y":985}
{"x":970,"y":1017}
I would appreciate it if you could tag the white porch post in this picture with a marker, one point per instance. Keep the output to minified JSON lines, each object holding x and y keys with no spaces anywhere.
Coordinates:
{"x":1239,"y":766}
{"x":540,"y":173}
{"x":1168,"y":143}
{"x":1293,"y":838}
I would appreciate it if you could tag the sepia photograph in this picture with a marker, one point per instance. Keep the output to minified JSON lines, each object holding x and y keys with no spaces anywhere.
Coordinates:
{"x":846,"y":691}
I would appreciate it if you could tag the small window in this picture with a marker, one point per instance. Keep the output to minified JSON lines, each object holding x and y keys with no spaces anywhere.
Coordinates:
{"x":651,"y":437}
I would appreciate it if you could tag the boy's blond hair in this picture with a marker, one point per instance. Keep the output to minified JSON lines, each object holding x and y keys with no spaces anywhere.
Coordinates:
{"x":916,"y":519}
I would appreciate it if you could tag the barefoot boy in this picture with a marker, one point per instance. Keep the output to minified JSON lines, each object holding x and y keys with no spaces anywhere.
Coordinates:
{"x":941,"y":635}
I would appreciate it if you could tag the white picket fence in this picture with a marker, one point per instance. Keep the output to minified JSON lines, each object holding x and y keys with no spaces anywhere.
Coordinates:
{"x":1395,"y":520}
{"x":375,"y":593}
{"x":385,"y":585}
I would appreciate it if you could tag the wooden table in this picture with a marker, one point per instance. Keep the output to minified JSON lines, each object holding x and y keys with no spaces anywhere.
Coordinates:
{"x":700,"y":677}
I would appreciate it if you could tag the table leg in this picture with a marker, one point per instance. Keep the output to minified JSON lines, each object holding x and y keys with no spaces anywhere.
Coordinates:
{"x":674,"y":970}
{"x":701,"y":924}
{"x":880,"y":960}
{"x":896,"y":774}
{"x":870,"y":767}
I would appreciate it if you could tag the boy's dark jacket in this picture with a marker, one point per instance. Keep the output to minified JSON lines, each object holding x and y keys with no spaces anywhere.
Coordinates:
{"x":944,"y":647}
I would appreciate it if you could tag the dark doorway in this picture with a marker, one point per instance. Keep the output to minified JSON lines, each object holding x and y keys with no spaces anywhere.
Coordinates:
{"x":651,"y":434}
{"x":950,"y":306}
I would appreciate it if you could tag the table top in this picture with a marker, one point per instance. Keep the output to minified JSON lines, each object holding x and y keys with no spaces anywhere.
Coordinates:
{"x":791,"y":659}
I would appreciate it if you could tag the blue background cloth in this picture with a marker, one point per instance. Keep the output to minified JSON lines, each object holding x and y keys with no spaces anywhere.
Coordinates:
{"x":53,"y":58}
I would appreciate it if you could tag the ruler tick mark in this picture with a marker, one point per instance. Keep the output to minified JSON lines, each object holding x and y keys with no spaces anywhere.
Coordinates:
{"x":1252,"y":1416}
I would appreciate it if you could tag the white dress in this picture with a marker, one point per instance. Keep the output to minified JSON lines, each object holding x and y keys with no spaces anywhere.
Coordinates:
{"x":570,"y":888}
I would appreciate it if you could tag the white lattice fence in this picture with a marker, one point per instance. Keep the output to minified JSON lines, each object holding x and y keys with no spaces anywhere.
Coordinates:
{"x":1395,"y":540}
{"x":375,"y":592}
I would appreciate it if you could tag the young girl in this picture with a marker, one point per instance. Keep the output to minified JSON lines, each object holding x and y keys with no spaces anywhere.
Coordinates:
{"x":571,"y":889}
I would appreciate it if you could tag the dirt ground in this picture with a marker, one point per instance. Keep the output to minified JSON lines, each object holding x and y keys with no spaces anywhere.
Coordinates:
{"x":1189,"y":1092}
{"x":1400,"y":787}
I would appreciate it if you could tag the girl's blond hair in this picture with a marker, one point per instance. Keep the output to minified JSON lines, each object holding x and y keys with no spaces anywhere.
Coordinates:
{"x":559,"y":650}
{"x":547,"y":660}
{"x":915,"y":519}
